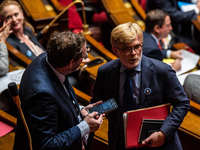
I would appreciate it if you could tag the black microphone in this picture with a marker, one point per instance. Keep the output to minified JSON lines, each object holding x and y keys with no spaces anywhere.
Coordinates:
{"x":13,"y":89}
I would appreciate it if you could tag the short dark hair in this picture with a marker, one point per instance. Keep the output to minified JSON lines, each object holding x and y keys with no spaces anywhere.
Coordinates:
{"x":62,"y":47}
{"x":155,"y":17}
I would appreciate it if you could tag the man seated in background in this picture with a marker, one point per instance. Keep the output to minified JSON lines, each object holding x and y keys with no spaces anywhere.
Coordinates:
{"x":181,"y":21}
{"x":158,"y":26}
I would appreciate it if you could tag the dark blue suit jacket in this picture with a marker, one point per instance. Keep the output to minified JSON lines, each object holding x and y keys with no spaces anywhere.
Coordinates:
{"x":150,"y":47}
{"x":48,"y":110}
{"x":165,"y":88}
{"x":22,"y":47}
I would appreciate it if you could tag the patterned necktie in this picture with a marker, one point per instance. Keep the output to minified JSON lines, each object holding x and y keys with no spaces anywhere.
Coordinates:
{"x":66,"y":83}
{"x":129,"y":102}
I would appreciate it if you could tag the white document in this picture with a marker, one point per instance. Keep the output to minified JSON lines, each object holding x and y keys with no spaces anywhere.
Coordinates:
{"x":188,"y":63}
{"x":13,"y":76}
{"x":181,"y":78}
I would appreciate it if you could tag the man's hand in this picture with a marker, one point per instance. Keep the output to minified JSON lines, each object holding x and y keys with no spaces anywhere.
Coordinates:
{"x":176,"y":65}
{"x":155,"y":140}
{"x":84,"y":110}
{"x":93,"y":123}
{"x":176,"y":54}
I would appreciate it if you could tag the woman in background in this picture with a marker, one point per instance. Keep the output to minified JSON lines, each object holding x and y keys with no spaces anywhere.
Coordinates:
{"x":22,"y":38}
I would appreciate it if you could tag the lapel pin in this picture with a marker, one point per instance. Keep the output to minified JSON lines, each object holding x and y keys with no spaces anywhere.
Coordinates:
{"x":147,"y":91}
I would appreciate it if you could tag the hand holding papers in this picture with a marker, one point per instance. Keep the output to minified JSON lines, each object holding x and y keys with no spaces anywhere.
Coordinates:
{"x":133,"y":121}
{"x":188,"y":62}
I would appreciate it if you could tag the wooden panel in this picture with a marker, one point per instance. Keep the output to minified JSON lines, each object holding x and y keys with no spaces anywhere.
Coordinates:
{"x":120,"y":14}
{"x":40,"y":14}
{"x":138,"y":9}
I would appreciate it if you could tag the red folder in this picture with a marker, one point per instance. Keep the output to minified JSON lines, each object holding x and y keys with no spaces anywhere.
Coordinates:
{"x":133,"y":120}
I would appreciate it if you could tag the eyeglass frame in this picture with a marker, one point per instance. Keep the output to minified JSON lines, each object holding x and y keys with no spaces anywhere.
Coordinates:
{"x":130,"y":49}
{"x":81,"y":53}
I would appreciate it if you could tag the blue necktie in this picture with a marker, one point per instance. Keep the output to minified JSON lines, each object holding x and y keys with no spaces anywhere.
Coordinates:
{"x":129,"y":102}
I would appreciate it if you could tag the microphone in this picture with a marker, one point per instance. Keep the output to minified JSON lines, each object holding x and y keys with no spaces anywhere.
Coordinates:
{"x":14,"y":91}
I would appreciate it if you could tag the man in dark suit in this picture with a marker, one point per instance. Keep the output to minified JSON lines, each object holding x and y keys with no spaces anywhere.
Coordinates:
{"x":158,"y":26}
{"x":153,"y":82}
{"x":48,"y":101}
{"x":178,"y":17}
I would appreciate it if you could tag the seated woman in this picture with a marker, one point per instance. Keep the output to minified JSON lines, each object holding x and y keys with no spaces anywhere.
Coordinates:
{"x":22,"y":37}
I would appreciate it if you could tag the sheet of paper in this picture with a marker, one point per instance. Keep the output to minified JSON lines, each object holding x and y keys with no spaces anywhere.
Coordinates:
{"x":181,"y":78}
{"x":188,"y":63}
{"x":14,"y":76}
{"x":184,"y":6}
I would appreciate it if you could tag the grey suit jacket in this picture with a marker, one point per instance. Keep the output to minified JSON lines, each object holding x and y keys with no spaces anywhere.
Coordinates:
{"x":4,"y":63}
{"x":165,"y":88}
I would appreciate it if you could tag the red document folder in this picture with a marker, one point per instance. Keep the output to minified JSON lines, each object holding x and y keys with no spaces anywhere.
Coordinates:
{"x":133,"y":120}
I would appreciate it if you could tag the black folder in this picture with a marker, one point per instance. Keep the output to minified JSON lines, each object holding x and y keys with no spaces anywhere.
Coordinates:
{"x":149,"y":126}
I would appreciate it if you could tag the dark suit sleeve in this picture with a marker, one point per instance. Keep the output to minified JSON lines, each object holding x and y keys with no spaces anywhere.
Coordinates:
{"x":44,"y":115}
{"x":175,"y":94}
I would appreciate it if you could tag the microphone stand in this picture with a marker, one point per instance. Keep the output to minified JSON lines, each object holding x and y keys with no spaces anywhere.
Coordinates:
{"x":85,"y":25}
{"x":13,"y":89}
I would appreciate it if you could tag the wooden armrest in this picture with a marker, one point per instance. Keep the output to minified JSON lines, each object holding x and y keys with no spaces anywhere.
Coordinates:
{"x":194,"y":107}
{"x":138,"y":8}
{"x":8,"y":118}
{"x":108,"y":55}
{"x":23,"y":60}
{"x":83,"y":98}
{"x":57,"y":5}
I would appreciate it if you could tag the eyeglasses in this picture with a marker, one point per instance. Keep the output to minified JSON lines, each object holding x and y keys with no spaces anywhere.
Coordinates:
{"x":129,"y":50}
{"x":87,"y":51}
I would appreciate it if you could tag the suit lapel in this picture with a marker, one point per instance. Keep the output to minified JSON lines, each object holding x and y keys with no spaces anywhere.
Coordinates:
{"x":145,"y":80}
{"x":59,"y":87}
{"x":114,"y":82}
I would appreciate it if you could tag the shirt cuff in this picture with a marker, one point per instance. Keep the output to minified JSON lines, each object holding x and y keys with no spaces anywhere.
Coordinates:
{"x":196,"y":10}
{"x":84,"y":128}
{"x":168,"y":53}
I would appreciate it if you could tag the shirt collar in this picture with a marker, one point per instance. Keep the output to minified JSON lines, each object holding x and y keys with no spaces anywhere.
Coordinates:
{"x":60,"y":76}
{"x":155,"y":38}
{"x":137,"y":68}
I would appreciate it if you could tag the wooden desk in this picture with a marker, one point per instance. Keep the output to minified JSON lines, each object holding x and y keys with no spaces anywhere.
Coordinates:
{"x":189,"y":131}
{"x":39,"y":14}
{"x":120,"y":14}
{"x":7,"y":141}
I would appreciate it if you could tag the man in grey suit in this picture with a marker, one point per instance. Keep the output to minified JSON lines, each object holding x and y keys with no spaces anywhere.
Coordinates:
{"x":154,"y":83}
{"x":48,"y":101}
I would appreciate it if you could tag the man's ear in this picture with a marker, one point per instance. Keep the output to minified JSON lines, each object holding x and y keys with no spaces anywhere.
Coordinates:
{"x":115,"y":51}
{"x":71,"y":63}
{"x":156,"y":29}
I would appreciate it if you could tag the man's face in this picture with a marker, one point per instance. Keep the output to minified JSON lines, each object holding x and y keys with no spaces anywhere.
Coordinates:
{"x":77,"y":63}
{"x":166,"y":28}
{"x":131,"y":54}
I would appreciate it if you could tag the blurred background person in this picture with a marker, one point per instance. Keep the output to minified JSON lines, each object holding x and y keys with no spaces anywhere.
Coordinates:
{"x":22,"y":38}
{"x":158,"y":26}
{"x":4,"y":62}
